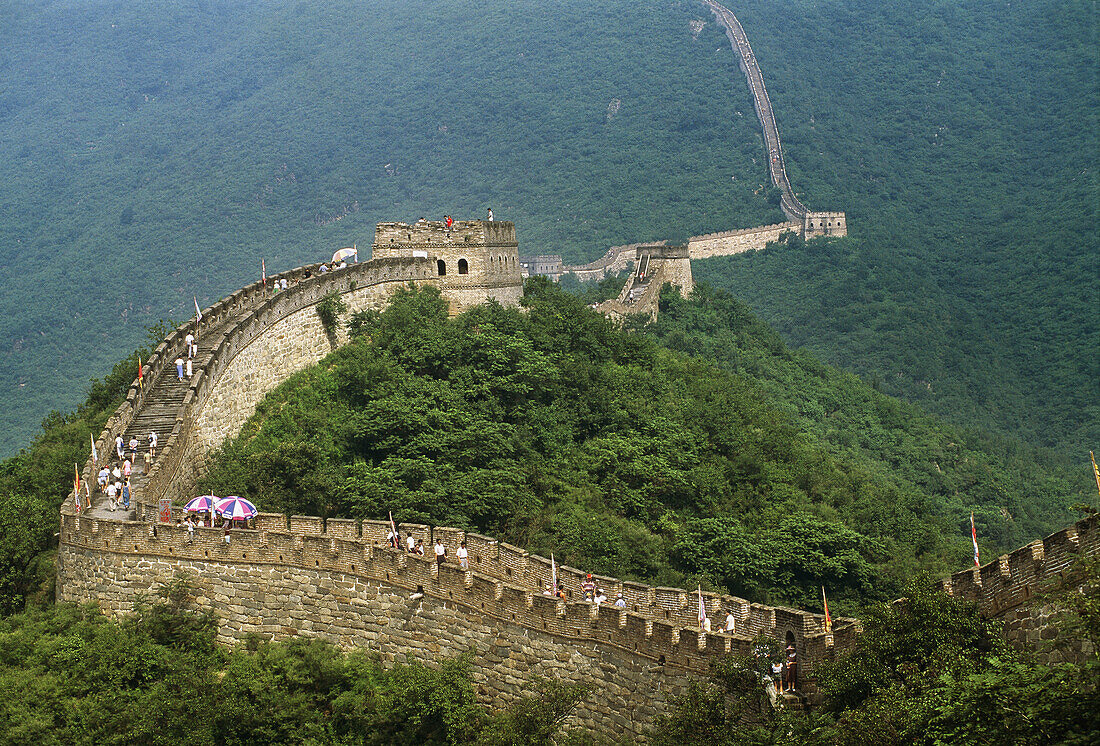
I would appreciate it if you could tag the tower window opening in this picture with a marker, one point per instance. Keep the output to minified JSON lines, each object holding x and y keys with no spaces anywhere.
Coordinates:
{"x":463,"y":267}
{"x":441,"y":266}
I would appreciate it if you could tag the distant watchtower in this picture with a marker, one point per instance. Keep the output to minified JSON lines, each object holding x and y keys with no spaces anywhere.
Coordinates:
{"x":475,"y":260}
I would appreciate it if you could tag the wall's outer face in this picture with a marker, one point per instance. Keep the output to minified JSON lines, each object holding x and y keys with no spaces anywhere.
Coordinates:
{"x":1006,"y":588}
{"x":728,"y":243}
{"x":824,"y":224}
{"x":279,"y":582}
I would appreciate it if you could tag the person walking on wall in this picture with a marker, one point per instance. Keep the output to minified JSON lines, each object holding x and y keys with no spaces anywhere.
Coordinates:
{"x":179,"y":368}
{"x":153,"y":443}
{"x":190,"y":342}
{"x":189,"y":369}
{"x":490,"y":214}
{"x":120,"y":449}
{"x":463,"y":556}
{"x":133,"y":448}
{"x":440,"y":552}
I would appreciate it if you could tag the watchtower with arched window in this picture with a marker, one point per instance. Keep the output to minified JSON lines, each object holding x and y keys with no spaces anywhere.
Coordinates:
{"x":473,"y":260}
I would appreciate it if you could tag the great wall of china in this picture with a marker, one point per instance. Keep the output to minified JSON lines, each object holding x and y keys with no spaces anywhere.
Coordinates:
{"x":652,"y":263}
{"x":336,"y":579}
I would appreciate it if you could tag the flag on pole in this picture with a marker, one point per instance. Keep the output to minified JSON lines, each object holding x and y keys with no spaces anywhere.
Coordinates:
{"x":702,"y":608}
{"x":198,"y":313}
{"x":141,"y":375}
{"x":393,"y":529}
{"x":974,"y":537}
{"x":263,"y":279}
{"x":553,"y":576}
{"x":76,"y":480}
{"x":95,"y":455}
{"x":828,"y":617}
{"x":1095,"y":471}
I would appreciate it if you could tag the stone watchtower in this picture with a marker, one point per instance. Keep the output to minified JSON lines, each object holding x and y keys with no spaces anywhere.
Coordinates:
{"x":475,"y":260}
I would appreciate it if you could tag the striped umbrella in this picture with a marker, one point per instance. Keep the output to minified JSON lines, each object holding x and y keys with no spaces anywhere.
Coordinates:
{"x":203,"y":504}
{"x":236,"y":508}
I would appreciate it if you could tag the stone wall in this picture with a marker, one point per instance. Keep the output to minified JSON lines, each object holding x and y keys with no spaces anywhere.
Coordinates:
{"x":1011,"y":587}
{"x":728,"y":243}
{"x":300,"y":576}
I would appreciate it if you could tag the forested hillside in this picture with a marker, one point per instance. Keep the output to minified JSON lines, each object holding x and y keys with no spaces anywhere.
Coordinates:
{"x":748,"y":467}
{"x":962,"y":140}
{"x":154,"y":151}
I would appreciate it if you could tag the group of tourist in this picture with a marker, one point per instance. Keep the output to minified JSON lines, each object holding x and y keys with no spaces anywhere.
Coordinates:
{"x":415,"y":547}
{"x":187,"y":364}
{"x":114,"y":480}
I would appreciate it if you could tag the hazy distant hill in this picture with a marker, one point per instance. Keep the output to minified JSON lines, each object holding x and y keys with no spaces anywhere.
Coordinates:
{"x":963,"y":140}
{"x":152,"y":151}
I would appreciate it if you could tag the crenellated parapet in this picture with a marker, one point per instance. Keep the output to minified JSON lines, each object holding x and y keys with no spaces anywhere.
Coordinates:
{"x":338,"y":580}
{"x":1014,"y":579}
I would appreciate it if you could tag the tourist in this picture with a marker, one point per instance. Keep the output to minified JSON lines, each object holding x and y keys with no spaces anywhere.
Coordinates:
{"x":189,"y":370}
{"x":116,"y":473}
{"x":190,"y":529}
{"x":792,"y":669}
{"x":104,"y":475}
{"x":440,"y":552}
{"x":463,"y":556}
{"x":127,"y":468}
{"x":730,"y":621}
{"x":227,"y":532}
{"x":133,"y":448}
{"x":777,"y":674}
{"x":179,"y":370}
{"x":119,"y":448}
{"x":189,"y":340}
{"x":282,"y":283}
{"x":410,"y":544}
{"x":449,"y":221}
{"x":126,"y":494}
{"x":490,"y":214}
{"x":323,"y":269}
{"x":148,"y":463}
{"x":588,"y":586}
{"x":548,"y":591}
{"x":153,"y":443}
{"x":600,"y":597}
{"x":620,"y":602}
{"x":393,"y":538}
{"x":112,"y":495}
{"x":419,"y":551}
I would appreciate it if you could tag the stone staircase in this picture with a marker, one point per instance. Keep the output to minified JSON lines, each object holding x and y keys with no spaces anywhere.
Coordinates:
{"x":159,"y":409}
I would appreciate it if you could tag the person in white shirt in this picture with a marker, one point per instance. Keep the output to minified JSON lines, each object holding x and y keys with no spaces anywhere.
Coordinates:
{"x":189,"y":340}
{"x":119,"y":447}
{"x":463,"y":556}
{"x":729,"y":622}
{"x":600,"y":597}
{"x":620,"y":602}
{"x":112,"y":494}
{"x":153,"y":443}
{"x":440,"y":552}
{"x":410,"y":544}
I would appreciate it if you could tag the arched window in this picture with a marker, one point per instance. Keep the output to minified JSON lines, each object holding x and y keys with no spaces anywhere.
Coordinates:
{"x":441,"y":266}
{"x":463,"y":267}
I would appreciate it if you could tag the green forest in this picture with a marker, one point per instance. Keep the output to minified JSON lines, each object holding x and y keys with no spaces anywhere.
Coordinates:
{"x":744,"y":466}
{"x":819,"y":413}
{"x":154,"y":152}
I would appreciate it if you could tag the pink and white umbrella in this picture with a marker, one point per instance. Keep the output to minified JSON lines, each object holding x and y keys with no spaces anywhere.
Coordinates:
{"x":202,"y":504}
{"x":235,"y":508}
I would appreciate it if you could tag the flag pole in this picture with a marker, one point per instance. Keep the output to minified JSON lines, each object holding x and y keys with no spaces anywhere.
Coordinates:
{"x":828,"y":617}
{"x":1095,"y":471}
{"x":974,"y":538}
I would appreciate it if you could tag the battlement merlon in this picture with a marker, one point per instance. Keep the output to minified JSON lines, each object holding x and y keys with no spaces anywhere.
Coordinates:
{"x":431,"y":235}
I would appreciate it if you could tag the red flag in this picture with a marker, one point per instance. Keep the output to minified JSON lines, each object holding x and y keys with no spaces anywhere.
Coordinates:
{"x":263,"y":274}
{"x":702,"y":608}
{"x":974,"y":537}
{"x":141,"y":376}
{"x":828,"y":617}
{"x":76,"y":481}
